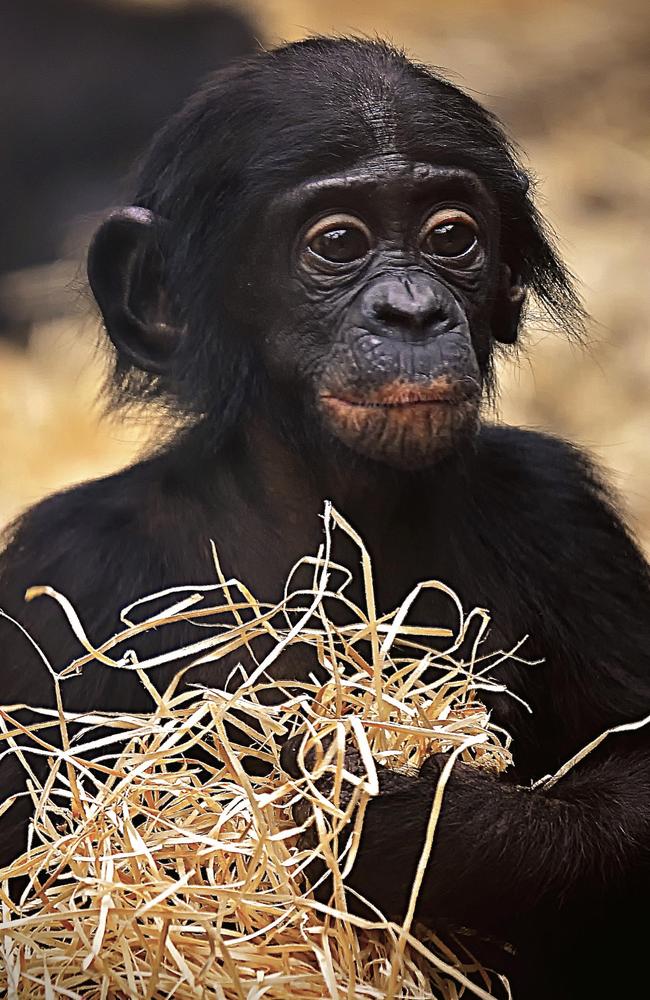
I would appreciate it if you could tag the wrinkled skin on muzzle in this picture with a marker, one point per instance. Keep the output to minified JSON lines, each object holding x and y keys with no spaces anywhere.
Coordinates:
{"x":403,"y":382}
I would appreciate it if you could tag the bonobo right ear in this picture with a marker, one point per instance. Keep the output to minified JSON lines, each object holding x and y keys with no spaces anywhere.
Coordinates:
{"x":507,"y":310}
{"x":125,"y":271}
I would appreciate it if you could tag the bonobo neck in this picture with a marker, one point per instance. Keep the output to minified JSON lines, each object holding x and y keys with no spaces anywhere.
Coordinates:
{"x":258,"y":462}
{"x":277,"y":490}
{"x":294,"y":481}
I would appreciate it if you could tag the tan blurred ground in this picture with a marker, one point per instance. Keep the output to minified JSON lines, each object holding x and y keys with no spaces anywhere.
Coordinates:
{"x":572,"y":82}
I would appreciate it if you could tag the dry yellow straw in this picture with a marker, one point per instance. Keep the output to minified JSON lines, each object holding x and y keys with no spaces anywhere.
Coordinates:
{"x":162,"y":865}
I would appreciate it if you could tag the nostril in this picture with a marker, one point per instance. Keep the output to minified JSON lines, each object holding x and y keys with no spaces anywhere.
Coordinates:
{"x":388,"y":312}
{"x":410,"y":313}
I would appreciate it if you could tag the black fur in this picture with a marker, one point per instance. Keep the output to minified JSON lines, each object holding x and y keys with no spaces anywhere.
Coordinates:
{"x":515,"y":521}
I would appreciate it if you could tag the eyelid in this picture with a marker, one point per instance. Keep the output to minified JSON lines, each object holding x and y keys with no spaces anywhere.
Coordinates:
{"x":338,"y":220}
{"x":447,"y":215}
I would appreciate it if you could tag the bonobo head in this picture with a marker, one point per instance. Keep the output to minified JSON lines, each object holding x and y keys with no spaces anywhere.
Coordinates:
{"x":334,"y":238}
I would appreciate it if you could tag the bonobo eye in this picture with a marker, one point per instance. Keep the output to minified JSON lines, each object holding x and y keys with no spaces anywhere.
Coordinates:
{"x":339,"y":239}
{"x":449,"y":233}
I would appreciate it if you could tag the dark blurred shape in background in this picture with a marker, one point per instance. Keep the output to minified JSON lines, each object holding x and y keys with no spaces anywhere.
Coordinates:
{"x":83,"y":86}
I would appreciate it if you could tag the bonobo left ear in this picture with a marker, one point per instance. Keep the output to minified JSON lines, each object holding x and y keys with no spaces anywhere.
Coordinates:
{"x":125,"y":271}
{"x":509,"y":303}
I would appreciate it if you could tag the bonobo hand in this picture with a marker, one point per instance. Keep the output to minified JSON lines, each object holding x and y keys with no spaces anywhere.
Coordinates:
{"x":394,"y":833}
{"x":389,"y":780}
{"x":392,"y":784}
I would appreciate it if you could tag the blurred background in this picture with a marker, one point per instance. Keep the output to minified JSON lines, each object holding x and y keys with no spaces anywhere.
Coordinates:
{"x":84,"y":83}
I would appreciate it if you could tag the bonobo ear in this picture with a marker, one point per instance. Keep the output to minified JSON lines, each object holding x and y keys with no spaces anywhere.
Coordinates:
{"x":509,"y":303}
{"x":125,"y":269}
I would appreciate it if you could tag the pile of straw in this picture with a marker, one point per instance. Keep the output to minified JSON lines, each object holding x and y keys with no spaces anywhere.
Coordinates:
{"x":161,"y":864}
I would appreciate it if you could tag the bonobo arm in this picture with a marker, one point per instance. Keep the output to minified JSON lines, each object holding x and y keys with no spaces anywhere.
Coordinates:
{"x":501,"y":851}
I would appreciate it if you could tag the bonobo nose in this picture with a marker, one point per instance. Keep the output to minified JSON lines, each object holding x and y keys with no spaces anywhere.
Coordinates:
{"x":409,"y":304}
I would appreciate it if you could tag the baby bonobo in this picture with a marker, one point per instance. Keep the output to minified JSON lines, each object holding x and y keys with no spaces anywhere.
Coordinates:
{"x":324,"y":247}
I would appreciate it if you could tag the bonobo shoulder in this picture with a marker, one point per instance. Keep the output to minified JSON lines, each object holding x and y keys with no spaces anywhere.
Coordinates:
{"x":557,"y":508}
{"x":75,"y":517}
{"x":102,"y":544}
{"x":136,"y":501}
{"x":529,"y":448}
{"x":71,"y":540}
{"x":543,"y":469}
{"x":106,"y":535}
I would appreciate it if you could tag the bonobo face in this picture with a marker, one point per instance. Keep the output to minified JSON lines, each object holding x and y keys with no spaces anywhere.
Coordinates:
{"x":380,"y":304}
{"x":326,"y":242}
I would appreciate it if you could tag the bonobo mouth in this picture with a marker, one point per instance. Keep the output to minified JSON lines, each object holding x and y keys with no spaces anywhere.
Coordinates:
{"x":406,"y":394}
{"x":405,"y":424}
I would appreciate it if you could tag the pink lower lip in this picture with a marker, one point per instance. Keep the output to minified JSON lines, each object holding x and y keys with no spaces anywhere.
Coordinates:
{"x":399,"y":394}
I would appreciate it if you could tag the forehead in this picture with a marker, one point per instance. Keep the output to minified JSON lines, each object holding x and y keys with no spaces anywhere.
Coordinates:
{"x":391,"y":178}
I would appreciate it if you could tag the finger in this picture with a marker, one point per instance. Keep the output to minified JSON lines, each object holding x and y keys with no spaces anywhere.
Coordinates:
{"x":301,"y":811}
{"x":291,"y":753}
{"x":432,"y":768}
{"x":289,"y":756}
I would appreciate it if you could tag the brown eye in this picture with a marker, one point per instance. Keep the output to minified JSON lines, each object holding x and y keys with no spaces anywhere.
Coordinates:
{"x":449,"y":234}
{"x":339,"y":239}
